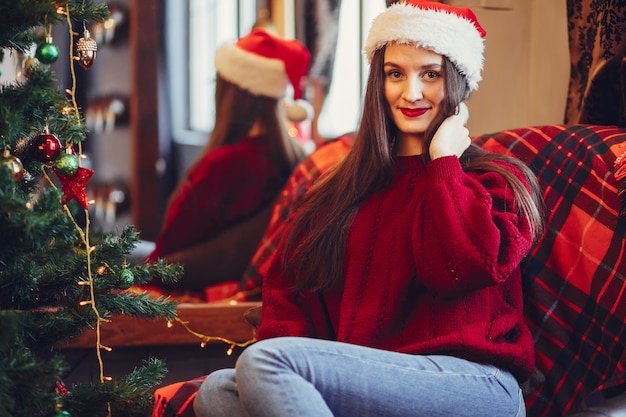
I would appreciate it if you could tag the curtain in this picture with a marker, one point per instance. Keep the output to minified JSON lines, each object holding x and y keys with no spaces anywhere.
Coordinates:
{"x":318,"y":26}
{"x":597,"y":40}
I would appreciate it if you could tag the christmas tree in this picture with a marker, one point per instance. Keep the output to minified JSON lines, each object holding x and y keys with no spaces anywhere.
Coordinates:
{"x":57,"y":277}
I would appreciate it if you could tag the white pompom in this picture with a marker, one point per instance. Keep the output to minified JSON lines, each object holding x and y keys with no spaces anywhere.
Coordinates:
{"x":299,"y":110}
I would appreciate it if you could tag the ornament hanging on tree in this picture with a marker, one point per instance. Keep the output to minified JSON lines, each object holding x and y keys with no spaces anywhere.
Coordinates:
{"x":67,"y":163}
{"x":28,"y":65}
{"x":47,"y":52}
{"x":62,"y":391}
{"x":74,"y":186}
{"x":14,"y":164}
{"x":127,"y":279}
{"x":46,"y":147}
{"x":86,"y":48}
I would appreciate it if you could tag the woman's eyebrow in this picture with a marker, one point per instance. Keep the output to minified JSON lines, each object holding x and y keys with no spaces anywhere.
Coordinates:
{"x":423,"y":67}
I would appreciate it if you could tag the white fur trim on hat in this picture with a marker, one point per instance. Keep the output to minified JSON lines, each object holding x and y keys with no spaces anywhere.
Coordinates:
{"x":445,"y":33}
{"x":257,"y":74}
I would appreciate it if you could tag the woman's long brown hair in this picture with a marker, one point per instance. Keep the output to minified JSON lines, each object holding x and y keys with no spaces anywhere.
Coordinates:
{"x":236,"y":110}
{"x":321,"y":226}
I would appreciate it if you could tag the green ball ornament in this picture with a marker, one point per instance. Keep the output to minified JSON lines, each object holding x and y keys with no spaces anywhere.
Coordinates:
{"x":62,"y":413}
{"x":67,"y":164}
{"x":47,"y":53}
{"x":127,"y":279}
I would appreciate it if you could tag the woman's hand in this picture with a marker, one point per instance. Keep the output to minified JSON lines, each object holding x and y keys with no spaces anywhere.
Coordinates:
{"x":452,"y":137}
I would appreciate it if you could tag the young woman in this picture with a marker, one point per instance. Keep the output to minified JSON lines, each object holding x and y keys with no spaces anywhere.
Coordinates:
{"x":219,"y":211}
{"x":396,"y":290}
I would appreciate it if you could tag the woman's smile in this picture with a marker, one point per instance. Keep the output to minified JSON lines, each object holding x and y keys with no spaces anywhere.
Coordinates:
{"x":414,"y":112}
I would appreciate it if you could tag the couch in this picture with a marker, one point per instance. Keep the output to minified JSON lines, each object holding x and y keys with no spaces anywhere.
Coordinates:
{"x":574,"y":278}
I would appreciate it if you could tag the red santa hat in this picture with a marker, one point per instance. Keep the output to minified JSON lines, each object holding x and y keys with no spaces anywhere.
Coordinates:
{"x":264,"y":64}
{"x":447,"y":30}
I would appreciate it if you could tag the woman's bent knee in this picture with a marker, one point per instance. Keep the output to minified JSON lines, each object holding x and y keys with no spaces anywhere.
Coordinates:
{"x":213,"y":390}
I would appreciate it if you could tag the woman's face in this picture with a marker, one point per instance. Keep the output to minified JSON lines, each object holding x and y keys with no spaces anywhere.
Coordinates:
{"x":414,"y":90}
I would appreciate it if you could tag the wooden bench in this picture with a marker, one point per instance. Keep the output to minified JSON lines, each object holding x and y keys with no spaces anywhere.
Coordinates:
{"x":133,"y":340}
{"x":221,"y":320}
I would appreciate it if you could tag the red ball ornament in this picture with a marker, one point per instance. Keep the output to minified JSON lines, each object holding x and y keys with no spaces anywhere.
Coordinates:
{"x":46,"y":147}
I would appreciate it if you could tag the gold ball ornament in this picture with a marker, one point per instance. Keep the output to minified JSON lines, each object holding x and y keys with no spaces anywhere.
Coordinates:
{"x":28,"y":65}
{"x":86,"y":48}
{"x":14,"y":164}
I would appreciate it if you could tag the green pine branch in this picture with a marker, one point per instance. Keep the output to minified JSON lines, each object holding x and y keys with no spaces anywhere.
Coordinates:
{"x":46,"y":258}
{"x":19,"y":18}
{"x":25,"y":377}
{"x":26,"y":107}
{"x":131,"y":396}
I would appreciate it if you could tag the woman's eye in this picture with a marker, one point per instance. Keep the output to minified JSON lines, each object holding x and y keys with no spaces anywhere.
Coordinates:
{"x":432,"y":74}
{"x":394,"y":74}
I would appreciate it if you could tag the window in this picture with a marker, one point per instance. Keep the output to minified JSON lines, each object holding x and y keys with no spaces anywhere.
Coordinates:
{"x":342,"y":108}
{"x":195,"y":29}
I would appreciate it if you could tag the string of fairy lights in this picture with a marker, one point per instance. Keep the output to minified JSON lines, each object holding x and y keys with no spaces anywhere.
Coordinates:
{"x":86,"y":48}
{"x":67,"y":163}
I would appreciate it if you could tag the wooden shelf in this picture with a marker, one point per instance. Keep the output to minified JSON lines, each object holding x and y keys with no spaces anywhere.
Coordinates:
{"x":224,"y":320}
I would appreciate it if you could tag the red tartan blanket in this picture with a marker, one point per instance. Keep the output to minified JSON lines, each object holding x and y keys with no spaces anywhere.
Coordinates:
{"x":176,"y":400}
{"x":575,"y":278}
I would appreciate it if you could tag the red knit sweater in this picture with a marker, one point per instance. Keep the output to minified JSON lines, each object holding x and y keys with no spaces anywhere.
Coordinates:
{"x":431,"y":267}
{"x":226,"y":186}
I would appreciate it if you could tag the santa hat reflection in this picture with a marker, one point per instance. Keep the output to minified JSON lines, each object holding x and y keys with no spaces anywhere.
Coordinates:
{"x":266,"y":65}
{"x":447,"y":30}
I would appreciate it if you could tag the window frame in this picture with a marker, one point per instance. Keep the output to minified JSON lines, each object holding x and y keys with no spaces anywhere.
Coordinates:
{"x":178,"y":71}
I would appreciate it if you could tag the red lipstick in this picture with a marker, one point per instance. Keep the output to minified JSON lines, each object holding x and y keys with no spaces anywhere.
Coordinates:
{"x":413,"y":112}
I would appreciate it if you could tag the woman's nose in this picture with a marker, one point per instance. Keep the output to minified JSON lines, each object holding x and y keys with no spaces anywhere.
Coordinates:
{"x":414,"y":89}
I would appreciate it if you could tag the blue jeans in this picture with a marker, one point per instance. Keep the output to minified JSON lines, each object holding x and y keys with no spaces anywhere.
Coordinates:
{"x":291,"y":376}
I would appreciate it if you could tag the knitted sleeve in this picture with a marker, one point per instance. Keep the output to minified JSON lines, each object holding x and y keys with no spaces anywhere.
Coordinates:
{"x":226,"y":186}
{"x":471,"y":235}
